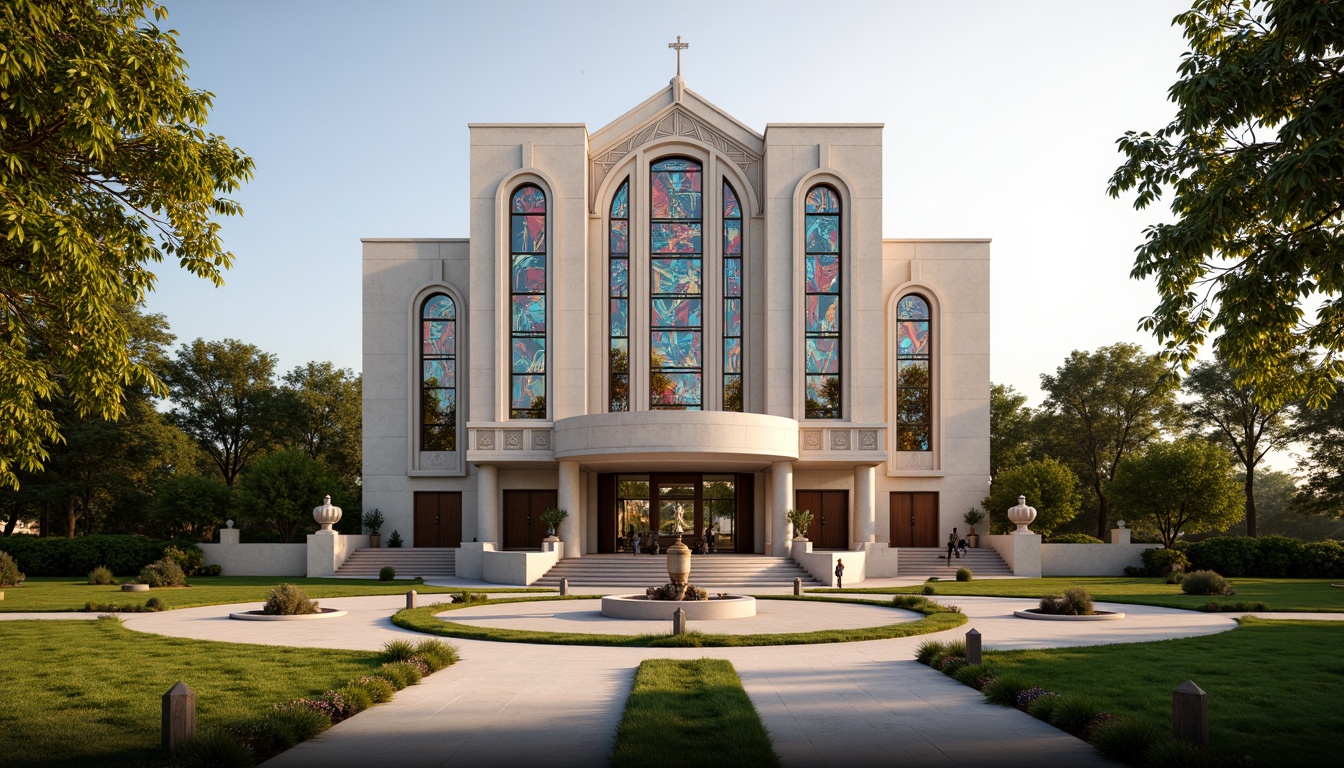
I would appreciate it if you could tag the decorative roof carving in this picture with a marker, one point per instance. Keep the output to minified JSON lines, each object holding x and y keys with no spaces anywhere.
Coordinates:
{"x":677,"y":123}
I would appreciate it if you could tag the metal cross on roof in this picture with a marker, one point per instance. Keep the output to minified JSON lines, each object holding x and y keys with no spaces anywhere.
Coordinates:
{"x":679,"y":47}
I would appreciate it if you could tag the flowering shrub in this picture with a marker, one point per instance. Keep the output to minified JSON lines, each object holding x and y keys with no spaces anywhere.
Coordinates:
{"x":1025,"y":698}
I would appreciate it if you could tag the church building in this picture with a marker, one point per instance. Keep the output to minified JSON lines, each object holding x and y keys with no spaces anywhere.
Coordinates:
{"x":675,"y":321}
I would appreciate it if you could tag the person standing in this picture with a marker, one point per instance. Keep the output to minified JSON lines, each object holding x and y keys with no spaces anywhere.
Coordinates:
{"x":951,"y":547}
{"x":638,"y":537}
{"x":710,"y":537}
{"x":839,"y":574}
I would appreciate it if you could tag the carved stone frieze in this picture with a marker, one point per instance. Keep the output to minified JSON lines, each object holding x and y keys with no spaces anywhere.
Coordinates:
{"x":839,"y":439}
{"x":812,"y":439}
{"x":541,"y":440}
{"x":914,"y":460}
{"x":513,"y":439}
{"x":867,"y":439}
{"x":433,"y":460}
{"x":485,"y":440}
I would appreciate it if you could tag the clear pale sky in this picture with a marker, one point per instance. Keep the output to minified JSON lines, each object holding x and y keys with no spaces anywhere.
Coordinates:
{"x":1001,"y":120}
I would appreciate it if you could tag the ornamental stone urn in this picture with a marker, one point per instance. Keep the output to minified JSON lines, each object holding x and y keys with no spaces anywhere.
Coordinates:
{"x":679,"y":564}
{"x":1022,"y":515}
{"x":327,"y":515}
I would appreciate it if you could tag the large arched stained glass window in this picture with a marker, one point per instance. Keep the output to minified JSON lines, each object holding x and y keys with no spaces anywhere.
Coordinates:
{"x":676,"y":256}
{"x":527,"y":291}
{"x":438,"y":374}
{"x":822,"y":310}
{"x":914,"y":349}
{"x":619,"y":282}
{"x":732,"y":300}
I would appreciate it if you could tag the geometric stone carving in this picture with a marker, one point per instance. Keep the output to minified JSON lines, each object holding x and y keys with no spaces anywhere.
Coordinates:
{"x":513,"y":439}
{"x":812,"y":439}
{"x":434,"y":459}
{"x":839,"y":439}
{"x":915,"y":459}
{"x":541,"y":440}
{"x":867,"y":439}
{"x":485,"y":440}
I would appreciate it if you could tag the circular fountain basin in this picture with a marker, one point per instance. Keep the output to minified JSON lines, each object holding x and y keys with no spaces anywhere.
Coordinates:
{"x":641,"y":607}
{"x":322,"y":613}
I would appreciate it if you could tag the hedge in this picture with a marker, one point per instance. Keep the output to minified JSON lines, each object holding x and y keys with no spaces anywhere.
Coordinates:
{"x":1273,"y":557}
{"x":124,"y":555}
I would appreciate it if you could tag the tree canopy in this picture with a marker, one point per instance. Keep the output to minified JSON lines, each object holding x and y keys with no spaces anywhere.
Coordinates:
{"x":105,"y":169}
{"x":1010,"y":428}
{"x":1049,"y":486}
{"x":1185,"y":486}
{"x":1254,"y":162}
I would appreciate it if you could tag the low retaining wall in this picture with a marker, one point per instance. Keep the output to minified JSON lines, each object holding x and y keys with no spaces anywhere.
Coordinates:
{"x":517,"y":568}
{"x":1091,"y":559}
{"x":822,"y":564}
{"x":258,"y":559}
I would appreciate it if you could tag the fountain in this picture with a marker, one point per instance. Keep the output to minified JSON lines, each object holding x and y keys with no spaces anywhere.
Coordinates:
{"x":697,"y":604}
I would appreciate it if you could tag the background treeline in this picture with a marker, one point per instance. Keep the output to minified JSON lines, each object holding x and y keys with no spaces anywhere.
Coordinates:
{"x":1118,"y":437}
{"x":233,"y":439}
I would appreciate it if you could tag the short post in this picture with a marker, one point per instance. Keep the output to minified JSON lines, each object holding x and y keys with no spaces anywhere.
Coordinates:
{"x":797,"y":586}
{"x":564,"y":587}
{"x":1190,"y":713}
{"x":973,"y":647}
{"x":679,"y":622}
{"x":179,"y":715}
{"x":410,"y":598}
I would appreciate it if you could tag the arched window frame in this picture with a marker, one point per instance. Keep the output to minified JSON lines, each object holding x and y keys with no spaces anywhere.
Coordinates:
{"x":732,"y":320}
{"x":438,"y":372}
{"x":618,"y":292}
{"x":915,"y":377}
{"x":676,"y":292}
{"x":824,"y":308}
{"x":527,"y":274}
{"x":424,"y":461}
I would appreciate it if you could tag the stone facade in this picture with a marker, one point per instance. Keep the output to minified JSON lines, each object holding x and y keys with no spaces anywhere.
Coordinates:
{"x":575,"y":447}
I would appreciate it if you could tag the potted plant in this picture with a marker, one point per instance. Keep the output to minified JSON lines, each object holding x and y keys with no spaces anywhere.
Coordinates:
{"x":973,"y":516}
{"x":553,"y":517}
{"x":801,"y":521}
{"x":373,"y":522}
{"x":394,"y":541}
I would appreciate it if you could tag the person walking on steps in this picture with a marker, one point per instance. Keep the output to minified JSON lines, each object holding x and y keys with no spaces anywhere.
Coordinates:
{"x":839,"y":574}
{"x":952,"y":547}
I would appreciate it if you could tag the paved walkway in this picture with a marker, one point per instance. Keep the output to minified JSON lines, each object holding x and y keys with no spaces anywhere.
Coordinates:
{"x":848,"y":705}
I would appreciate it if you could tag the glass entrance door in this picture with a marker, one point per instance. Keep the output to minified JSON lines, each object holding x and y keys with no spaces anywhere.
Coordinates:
{"x":654,"y":508}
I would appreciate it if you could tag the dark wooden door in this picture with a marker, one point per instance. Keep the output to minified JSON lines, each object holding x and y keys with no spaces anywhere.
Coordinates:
{"x":830,"y":518}
{"x":914,"y":519}
{"x":744,"y":537}
{"x":523,"y":528}
{"x":438,"y":519}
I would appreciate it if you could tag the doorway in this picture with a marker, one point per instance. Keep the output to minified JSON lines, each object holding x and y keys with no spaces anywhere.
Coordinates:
{"x":914,"y":519}
{"x":438,"y":519}
{"x":653,"y":506}
{"x":830,"y":517}
{"x":523,"y":528}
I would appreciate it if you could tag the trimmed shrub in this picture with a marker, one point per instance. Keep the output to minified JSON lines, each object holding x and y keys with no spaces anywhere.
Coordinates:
{"x":1205,"y":583}
{"x":972,"y":674}
{"x":387,"y":573}
{"x":1322,"y":560}
{"x":1004,"y":689}
{"x":928,"y":590}
{"x":928,"y":650}
{"x":438,"y":653}
{"x":53,"y":556}
{"x":1072,"y":538}
{"x":1229,"y":555}
{"x":480,"y":597}
{"x":378,"y":688}
{"x":9,"y":571}
{"x":949,"y":665}
{"x":1126,"y":739}
{"x":1161,"y":561}
{"x":1278,"y":557}
{"x":401,"y":673}
{"x":357,"y":698}
{"x":1025,"y":698}
{"x":1042,"y":707}
{"x":162,"y":573}
{"x":1076,"y":714}
{"x":911,"y":602}
{"x":212,"y":749}
{"x":101,"y":576}
{"x":155,"y":604}
{"x":964,"y":574}
{"x":1213,"y":606}
{"x":288,"y":600}
{"x":188,"y":557}
{"x":1074,"y":602}
{"x":210,"y":570}
{"x":398,"y":650}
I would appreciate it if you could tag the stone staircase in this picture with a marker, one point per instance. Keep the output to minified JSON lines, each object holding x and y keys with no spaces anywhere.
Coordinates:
{"x":924,"y":562}
{"x":711,"y":572}
{"x":430,"y":563}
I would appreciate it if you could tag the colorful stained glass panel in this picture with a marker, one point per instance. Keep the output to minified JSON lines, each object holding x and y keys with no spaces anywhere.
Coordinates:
{"x":529,"y":234}
{"x":823,"y":274}
{"x":675,"y":349}
{"x":438,"y":404}
{"x":912,"y":337}
{"x":620,"y":237}
{"x":620,"y":277}
{"x":620,"y":204}
{"x":675,"y":238}
{"x":823,"y":234}
{"x":822,"y":200}
{"x":675,"y":275}
{"x":676,"y":313}
{"x":676,"y":165}
{"x":529,"y":273}
{"x":440,"y":307}
{"x":620,"y":317}
{"x":912,"y":308}
{"x":526,"y":391}
{"x":731,"y":210}
{"x":732,"y":277}
{"x":823,"y":396}
{"x":732,"y":317}
{"x":732,"y":238}
{"x":676,"y":195}
{"x":529,"y":200}
{"x":677,"y":389}
{"x":440,"y":337}
{"x":440,"y":373}
{"x":529,"y":355}
{"x":732,"y":355}
{"x":823,"y":314}
{"x":823,"y":355}
{"x":529,"y":314}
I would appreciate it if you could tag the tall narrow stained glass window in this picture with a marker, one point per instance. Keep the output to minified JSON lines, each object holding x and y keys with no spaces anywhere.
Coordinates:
{"x":676,"y":256}
{"x":619,"y":282}
{"x":438,"y":374}
{"x":527,"y":293}
{"x":914,"y":349}
{"x":732,"y":300}
{"x":822,"y":305}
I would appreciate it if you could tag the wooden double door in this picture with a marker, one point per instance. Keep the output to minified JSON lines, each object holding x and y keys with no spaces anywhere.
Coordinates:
{"x":523,"y":528}
{"x":830,"y":517}
{"x":914,"y":519}
{"x":438,"y":519}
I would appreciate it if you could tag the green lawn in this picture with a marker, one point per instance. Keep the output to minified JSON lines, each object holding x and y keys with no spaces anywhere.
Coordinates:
{"x":80,"y":693}
{"x":691,"y":712}
{"x":1314,"y":595}
{"x":1274,"y":686}
{"x":52,"y":593}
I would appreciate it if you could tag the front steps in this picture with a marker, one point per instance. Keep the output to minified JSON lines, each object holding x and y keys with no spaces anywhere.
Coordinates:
{"x":924,"y":562}
{"x":711,"y":572}
{"x":428,"y":563}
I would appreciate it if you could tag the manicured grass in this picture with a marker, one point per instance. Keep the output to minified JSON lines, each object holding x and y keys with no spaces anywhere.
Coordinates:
{"x":1274,"y":686}
{"x":80,"y":693}
{"x":1315,"y":595}
{"x":690,"y":712}
{"x":54,"y":593}
{"x":424,"y":619}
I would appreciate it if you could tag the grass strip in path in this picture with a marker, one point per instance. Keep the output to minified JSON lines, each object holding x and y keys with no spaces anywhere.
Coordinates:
{"x":1274,"y":686}
{"x":58,"y":593}
{"x":690,"y":713}
{"x":1311,"y":595}
{"x":425,"y":619}
{"x":81,"y":693}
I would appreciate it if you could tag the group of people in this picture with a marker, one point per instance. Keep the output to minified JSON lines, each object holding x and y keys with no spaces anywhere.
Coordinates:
{"x":704,"y":545}
{"x":956,"y":546}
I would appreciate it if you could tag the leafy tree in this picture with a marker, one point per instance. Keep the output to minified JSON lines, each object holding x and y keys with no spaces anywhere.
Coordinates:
{"x":1184,"y":486}
{"x":104,"y":169}
{"x":223,"y":395}
{"x":1237,"y":417}
{"x":1320,"y":432}
{"x":1049,"y":486}
{"x":281,"y":488}
{"x":1253,"y":161}
{"x":1102,"y":406}
{"x":190,"y":506}
{"x":1275,"y":504}
{"x":320,"y":411}
{"x":1010,"y":428}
